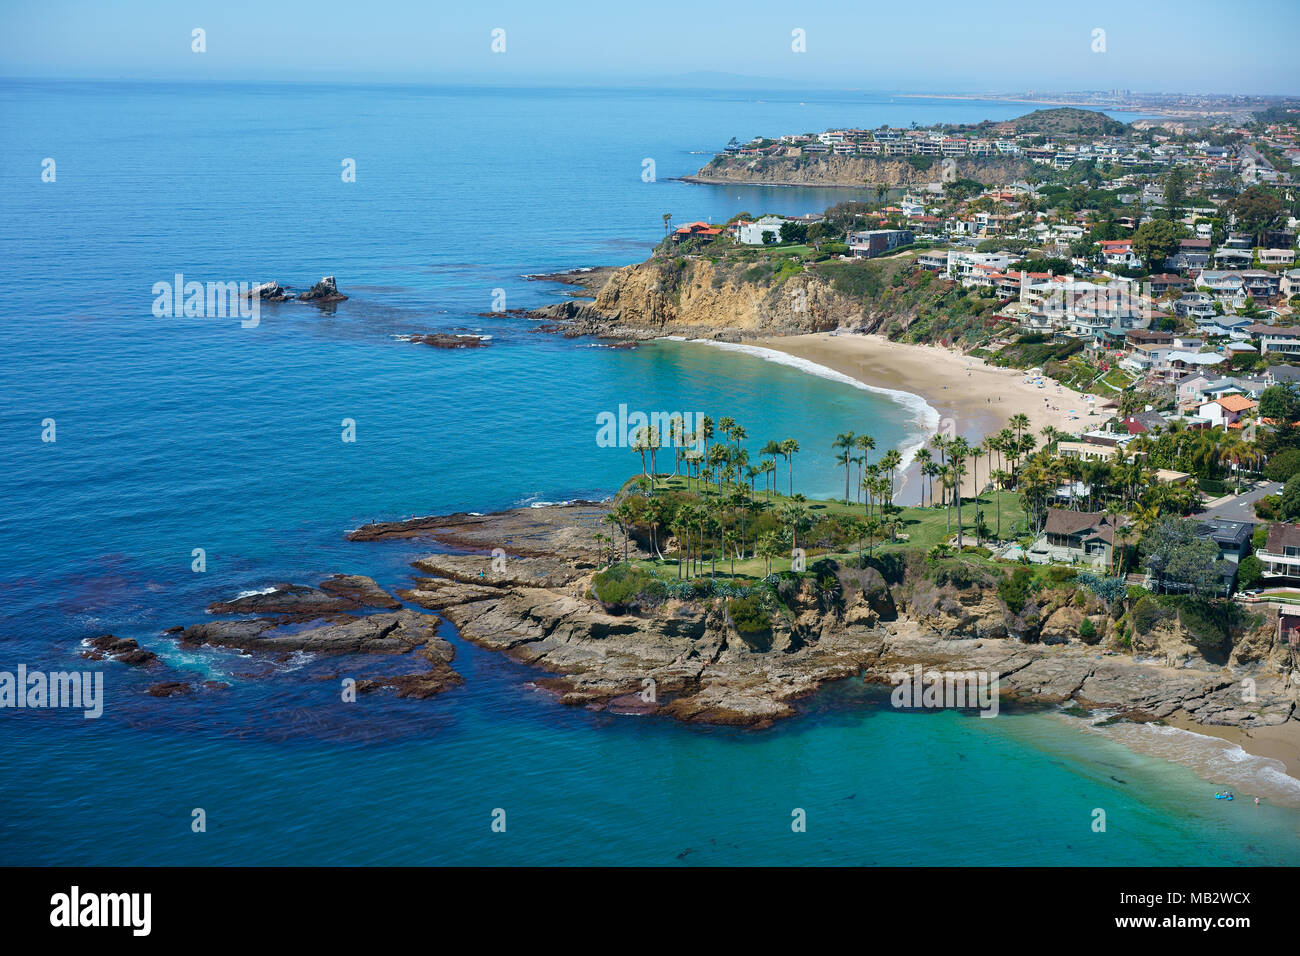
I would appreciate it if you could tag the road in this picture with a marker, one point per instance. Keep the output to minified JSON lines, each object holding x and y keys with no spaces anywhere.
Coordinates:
{"x":1242,"y":507}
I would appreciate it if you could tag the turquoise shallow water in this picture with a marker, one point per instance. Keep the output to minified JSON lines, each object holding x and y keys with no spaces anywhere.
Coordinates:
{"x":175,"y":434}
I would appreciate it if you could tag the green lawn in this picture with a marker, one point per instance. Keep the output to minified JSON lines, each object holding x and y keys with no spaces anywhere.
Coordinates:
{"x":920,"y":527}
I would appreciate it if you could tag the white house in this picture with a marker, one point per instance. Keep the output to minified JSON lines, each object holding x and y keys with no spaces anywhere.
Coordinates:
{"x":751,"y":233}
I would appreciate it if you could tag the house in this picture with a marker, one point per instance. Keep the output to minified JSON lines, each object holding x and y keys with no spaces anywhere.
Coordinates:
{"x":1282,"y":375}
{"x":1141,"y":422}
{"x":1260,"y":284}
{"x":1227,"y":410}
{"x":1167,"y":476}
{"x":876,"y":242}
{"x":1076,"y":537}
{"x":1228,"y":258}
{"x":1148,"y":337}
{"x":1190,"y":389}
{"x":1092,"y":447}
{"x":1231,"y":537}
{"x":1276,"y":338}
{"x":696,"y":229}
{"x":1158,"y":285}
{"x":1180,"y":362}
{"x":1145,"y":357}
{"x":1281,"y":552}
{"x":1119,"y":252}
{"x":1191,"y":254}
{"x":1275,"y":257}
{"x":1224,"y":286}
{"x":1195,"y":305}
{"x":751,"y":233}
{"x":1289,"y":284}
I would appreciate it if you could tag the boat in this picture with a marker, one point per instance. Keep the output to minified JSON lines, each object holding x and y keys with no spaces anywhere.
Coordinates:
{"x":1225,"y":795}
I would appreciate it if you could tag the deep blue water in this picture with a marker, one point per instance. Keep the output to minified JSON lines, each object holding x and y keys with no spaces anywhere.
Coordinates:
{"x":175,"y":434}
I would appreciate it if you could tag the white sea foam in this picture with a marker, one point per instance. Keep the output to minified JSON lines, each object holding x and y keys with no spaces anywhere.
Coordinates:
{"x":925,"y":417}
{"x":246,"y":594}
{"x":1214,"y":759}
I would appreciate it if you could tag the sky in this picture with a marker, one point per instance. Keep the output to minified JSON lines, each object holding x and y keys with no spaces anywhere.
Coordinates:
{"x":1248,"y":46}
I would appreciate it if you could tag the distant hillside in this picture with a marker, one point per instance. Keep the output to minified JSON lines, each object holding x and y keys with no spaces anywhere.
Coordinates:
{"x":1067,"y":119}
{"x":859,"y":171}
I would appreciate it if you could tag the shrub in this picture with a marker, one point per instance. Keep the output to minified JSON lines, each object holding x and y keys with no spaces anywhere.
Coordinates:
{"x":1249,"y":572}
{"x":1087,"y":630}
{"x":623,"y":585}
{"x":1106,"y":588}
{"x":1016,"y":589}
{"x":1208,"y":622}
{"x":1146,"y":614}
{"x":749,"y":614}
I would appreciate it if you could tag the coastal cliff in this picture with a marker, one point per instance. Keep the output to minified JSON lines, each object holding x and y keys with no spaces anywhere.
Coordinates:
{"x":704,"y":656}
{"x":702,"y":297}
{"x":853,"y":171}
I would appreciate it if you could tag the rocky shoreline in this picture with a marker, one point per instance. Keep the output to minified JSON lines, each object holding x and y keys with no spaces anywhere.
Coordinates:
{"x":535,"y":605}
{"x":520,"y":584}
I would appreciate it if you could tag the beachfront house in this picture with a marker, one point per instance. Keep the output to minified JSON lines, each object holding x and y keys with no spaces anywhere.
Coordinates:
{"x":1076,"y":537}
{"x":1280,"y":555}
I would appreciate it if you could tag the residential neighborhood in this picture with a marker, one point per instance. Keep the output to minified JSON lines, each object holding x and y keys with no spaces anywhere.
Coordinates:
{"x":1151,"y":268}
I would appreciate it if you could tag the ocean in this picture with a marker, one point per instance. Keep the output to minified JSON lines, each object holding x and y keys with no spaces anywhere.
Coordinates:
{"x":176,"y":434}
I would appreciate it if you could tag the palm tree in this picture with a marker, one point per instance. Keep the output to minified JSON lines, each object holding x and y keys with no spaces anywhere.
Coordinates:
{"x":1000,"y":478}
{"x":794,"y":518}
{"x":1020,"y":422}
{"x":620,"y":518}
{"x":864,"y":443}
{"x":790,"y":448}
{"x":874,"y":528}
{"x":940,"y":444}
{"x":924,"y":459}
{"x":641,"y":444}
{"x":843,"y":447}
{"x":959,"y":448}
{"x":889,"y":463}
{"x":705,"y":431}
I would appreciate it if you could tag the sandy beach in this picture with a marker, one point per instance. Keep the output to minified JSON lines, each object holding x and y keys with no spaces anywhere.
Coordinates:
{"x":1280,"y":742}
{"x":972,"y":397}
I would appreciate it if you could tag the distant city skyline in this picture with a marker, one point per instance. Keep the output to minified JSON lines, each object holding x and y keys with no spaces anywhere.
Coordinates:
{"x":997,"y":46}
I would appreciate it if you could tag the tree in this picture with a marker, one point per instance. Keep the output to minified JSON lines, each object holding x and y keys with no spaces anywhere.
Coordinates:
{"x":843,"y":447}
{"x":959,"y":450}
{"x":1156,"y":241}
{"x":793,"y":232}
{"x":790,"y":448}
{"x":1288,"y":508}
{"x":1283,"y":465}
{"x":1249,"y":572}
{"x":1280,"y":403}
{"x":1255,"y":209}
{"x":1176,"y":556}
{"x":1175,"y":191}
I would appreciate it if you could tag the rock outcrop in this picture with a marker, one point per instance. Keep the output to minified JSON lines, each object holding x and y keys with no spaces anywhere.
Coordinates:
{"x":125,"y":650}
{"x":324,"y":291}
